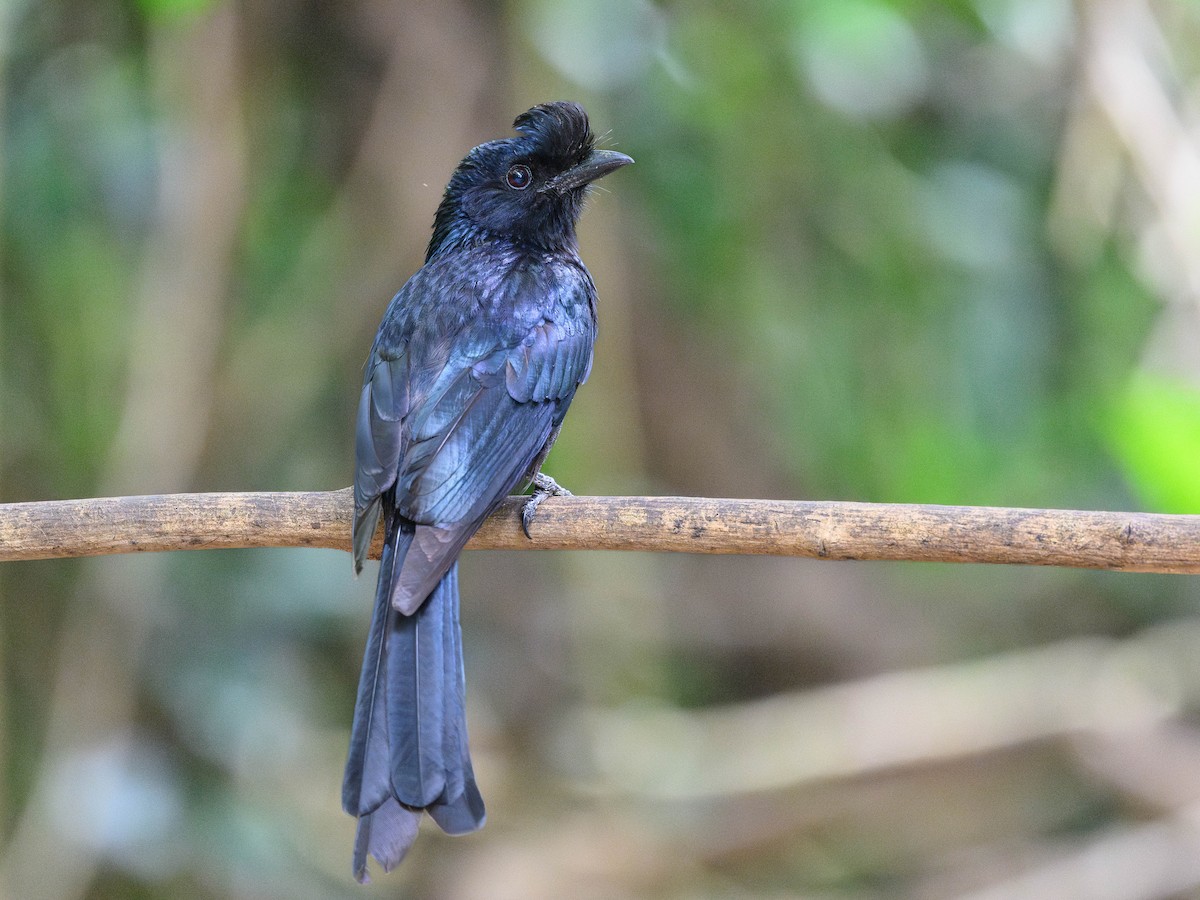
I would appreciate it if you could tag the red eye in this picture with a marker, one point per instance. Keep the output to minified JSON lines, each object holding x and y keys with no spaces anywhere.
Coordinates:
{"x":519,"y":178}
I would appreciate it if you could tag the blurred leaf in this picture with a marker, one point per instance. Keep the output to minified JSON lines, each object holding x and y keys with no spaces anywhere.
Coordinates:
{"x":1154,"y":430}
{"x":598,"y":45}
{"x":175,"y":10}
{"x":862,"y":57}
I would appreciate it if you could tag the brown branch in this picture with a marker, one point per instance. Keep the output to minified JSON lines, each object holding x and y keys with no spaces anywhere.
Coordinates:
{"x":1136,"y":542}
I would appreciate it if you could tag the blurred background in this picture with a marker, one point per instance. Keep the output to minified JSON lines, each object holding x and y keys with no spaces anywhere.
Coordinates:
{"x":884,"y":250}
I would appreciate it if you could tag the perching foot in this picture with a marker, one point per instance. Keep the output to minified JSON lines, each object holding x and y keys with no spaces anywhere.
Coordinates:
{"x":543,"y":486}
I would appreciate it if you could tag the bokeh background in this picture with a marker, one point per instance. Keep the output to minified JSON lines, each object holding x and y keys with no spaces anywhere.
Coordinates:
{"x":883,"y":250}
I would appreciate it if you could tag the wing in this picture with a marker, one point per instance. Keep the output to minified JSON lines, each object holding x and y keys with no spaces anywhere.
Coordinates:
{"x":452,"y":418}
{"x":378,"y":443}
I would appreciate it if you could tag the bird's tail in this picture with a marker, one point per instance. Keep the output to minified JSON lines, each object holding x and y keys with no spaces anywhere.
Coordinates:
{"x":408,"y":744}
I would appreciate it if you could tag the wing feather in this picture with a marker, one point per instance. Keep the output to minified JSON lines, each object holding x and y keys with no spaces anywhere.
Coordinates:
{"x":454,"y":413}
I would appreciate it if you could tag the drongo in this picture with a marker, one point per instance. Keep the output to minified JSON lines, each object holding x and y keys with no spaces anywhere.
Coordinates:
{"x":471,"y":373}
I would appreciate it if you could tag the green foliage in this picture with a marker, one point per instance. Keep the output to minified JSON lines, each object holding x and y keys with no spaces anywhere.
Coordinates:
{"x":869,"y":240}
{"x":1154,"y":427}
{"x":176,"y":10}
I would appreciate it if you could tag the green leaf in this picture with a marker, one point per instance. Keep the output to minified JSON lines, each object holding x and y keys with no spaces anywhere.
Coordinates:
{"x":1154,"y":430}
{"x":174,"y":10}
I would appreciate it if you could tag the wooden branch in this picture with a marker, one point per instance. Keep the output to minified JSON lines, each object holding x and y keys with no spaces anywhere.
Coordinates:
{"x":1135,"y":542}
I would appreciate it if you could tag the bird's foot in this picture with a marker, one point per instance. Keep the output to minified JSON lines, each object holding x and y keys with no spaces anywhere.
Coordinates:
{"x":543,"y":486}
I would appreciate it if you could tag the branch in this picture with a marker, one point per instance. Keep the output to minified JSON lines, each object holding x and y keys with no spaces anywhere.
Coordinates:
{"x":1134,"y":542}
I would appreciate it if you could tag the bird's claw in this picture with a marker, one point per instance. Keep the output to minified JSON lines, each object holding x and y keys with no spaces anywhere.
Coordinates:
{"x":543,"y":486}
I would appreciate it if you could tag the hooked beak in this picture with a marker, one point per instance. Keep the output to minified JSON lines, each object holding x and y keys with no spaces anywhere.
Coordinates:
{"x":598,"y":164}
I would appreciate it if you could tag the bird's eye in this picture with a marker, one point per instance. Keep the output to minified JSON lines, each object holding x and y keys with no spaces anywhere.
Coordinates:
{"x":519,"y":178}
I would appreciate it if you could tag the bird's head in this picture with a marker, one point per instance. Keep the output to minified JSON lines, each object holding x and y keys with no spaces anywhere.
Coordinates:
{"x":529,"y":188}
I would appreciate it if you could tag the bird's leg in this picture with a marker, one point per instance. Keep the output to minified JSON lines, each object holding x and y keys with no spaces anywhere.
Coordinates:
{"x":543,"y":486}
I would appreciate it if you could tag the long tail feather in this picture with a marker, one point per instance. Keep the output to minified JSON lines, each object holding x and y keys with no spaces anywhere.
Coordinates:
{"x":408,"y":745}
{"x":460,"y":809}
{"x":420,"y":701}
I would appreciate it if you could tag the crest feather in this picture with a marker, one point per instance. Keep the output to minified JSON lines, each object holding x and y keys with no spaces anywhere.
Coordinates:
{"x":559,"y":130}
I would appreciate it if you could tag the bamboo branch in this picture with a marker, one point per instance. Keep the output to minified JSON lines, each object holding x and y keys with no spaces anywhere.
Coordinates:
{"x":1134,"y":542}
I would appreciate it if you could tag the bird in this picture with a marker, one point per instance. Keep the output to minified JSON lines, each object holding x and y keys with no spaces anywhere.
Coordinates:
{"x":471,"y":372}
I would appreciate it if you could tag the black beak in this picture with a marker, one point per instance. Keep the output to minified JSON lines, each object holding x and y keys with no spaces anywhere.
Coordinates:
{"x":598,"y":164}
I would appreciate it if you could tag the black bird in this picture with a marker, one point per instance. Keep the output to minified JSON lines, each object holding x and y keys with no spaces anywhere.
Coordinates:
{"x":473,"y":368}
